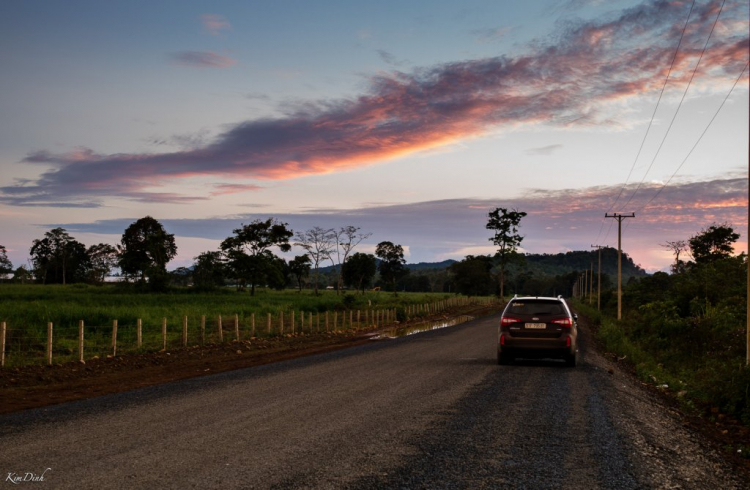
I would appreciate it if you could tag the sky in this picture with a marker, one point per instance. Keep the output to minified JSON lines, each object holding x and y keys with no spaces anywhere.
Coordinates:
{"x":412,"y":120}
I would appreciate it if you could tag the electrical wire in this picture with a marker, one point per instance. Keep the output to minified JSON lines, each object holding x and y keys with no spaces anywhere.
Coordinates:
{"x":698,"y":140}
{"x":648,"y":129}
{"x":679,"y":105}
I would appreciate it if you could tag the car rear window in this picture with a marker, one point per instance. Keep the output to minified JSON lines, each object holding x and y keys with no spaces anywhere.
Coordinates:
{"x":537,"y":307}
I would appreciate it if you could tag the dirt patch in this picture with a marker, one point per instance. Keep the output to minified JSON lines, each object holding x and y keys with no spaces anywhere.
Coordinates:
{"x":38,"y":386}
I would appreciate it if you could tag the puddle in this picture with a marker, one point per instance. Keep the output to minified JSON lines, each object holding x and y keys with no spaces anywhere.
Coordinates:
{"x":395,"y":332}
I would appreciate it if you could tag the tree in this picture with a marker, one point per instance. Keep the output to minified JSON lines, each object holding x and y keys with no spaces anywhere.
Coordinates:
{"x":712,"y":243}
{"x":209,"y":271}
{"x":145,"y":251}
{"x":58,"y":257}
{"x":505,"y":225}
{"x":6,"y":267}
{"x":181,"y":276}
{"x":299,"y":266}
{"x":319,"y":244}
{"x":21,"y":274}
{"x":347,"y":238}
{"x":392,"y":266}
{"x":359,"y":270}
{"x":676,"y":247}
{"x":102,"y":259}
{"x":472,"y":275}
{"x":248,"y":251}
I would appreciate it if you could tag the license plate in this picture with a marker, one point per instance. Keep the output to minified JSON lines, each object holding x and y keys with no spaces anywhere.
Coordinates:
{"x":535,"y":325}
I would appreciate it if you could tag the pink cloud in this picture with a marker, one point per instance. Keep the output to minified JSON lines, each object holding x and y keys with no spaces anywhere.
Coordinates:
{"x":214,"y":24}
{"x":202,"y":59}
{"x":557,"y":221}
{"x":562,"y":83}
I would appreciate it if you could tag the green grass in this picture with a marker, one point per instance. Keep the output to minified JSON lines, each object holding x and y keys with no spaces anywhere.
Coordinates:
{"x":27,"y":309}
{"x":706,"y":370}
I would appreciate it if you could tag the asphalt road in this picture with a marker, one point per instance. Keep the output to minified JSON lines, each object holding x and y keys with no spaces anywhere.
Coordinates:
{"x":432,"y":410}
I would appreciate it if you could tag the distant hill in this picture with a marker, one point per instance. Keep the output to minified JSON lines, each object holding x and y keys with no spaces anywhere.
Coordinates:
{"x":550,"y":264}
{"x":421,"y":266}
{"x":578,"y":260}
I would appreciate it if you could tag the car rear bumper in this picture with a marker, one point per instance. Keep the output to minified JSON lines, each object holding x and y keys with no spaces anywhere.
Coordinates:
{"x":537,"y":347}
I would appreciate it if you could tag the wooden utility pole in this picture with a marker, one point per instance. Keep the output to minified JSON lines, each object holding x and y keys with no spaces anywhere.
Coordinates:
{"x":591,"y":284}
{"x":619,"y":218}
{"x":599,"y":279}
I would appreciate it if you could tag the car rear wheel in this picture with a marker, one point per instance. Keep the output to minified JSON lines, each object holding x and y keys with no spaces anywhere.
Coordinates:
{"x":503,"y":359}
{"x":572,"y":359}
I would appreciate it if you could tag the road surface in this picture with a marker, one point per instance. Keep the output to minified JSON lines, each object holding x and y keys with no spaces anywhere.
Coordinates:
{"x":432,"y":410}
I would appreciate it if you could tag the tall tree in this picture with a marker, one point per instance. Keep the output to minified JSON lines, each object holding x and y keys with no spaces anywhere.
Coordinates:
{"x":6,"y":267}
{"x":505,"y":225}
{"x":359,"y":270}
{"x":209,"y":271}
{"x":472,"y":275}
{"x":103,"y":258}
{"x":347,"y":238}
{"x":58,"y":257}
{"x":299,"y":266}
{"x":248,"y":251}
{"x":145,"y":251}
{"x":319,"y":244}
{"x":392,"y":263}
{"x":712,"y":243}
{"x":676,"y":247}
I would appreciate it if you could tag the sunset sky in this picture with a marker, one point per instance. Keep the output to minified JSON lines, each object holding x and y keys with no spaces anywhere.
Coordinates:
{"x":409,"y":119}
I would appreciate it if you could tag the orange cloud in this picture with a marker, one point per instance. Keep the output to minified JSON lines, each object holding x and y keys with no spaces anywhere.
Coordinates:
{"x":562,"y":84}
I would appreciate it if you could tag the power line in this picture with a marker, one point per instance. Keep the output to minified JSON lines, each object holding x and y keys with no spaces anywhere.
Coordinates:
{"x":679,"y":105}
{"x":650,"y":123}
{"x":698,"y":140}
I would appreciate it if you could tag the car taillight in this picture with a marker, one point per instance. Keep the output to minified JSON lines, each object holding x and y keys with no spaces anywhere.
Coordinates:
{"x":565,"y":322}
{"x":507,"y":320}
{"x":502,"y":340}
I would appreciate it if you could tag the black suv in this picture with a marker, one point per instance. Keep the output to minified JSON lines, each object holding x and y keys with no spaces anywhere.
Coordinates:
{"x":538,"y":328}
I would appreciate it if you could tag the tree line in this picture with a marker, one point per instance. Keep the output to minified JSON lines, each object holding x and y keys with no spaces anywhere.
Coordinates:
{"x":247,"y":258}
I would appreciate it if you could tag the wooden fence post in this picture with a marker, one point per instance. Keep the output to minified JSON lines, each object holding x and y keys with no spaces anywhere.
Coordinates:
{"x":326,"y":320}
{"x":139,"y":334}
{"x":335,"y":321}
{"x":292,"y":322}
{"x":281,"y":323}
{"x":351,"y":316}
{"x":252,"y":324}
{"x":164,"y":333}
{"x":2,"y":344}
{"x":236,"y":327}
{"x":203,"y":329}
{"x":311,"y":322}
{"x":269,"y":324}
{"x":317,"y":322}
{"x":184,"y":331}
{"x":80,"y":341}
{"x":221,"y":331}
{"x":114,"y":338}
{"x":49,"y":343}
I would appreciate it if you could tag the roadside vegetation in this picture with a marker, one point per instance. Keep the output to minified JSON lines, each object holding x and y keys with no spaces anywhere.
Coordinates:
{"x":685,"y":332}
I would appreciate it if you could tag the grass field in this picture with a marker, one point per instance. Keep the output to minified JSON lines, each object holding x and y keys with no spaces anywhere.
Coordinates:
{"x":28,"y":309}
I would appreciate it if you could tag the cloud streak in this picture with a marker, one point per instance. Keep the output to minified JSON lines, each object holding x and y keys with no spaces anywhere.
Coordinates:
{"x":202,"y":59}
{"x":563,"y":81}
{"x":214,"y":24}
{"x":556,"y":222}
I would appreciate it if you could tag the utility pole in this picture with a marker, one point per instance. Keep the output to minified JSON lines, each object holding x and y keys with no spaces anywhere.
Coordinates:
{"x":599,"y":285}
{"x":619,"y":218}
{"x":591,"y":284}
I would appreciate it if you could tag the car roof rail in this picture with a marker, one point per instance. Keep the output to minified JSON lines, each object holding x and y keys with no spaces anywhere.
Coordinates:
{"x":559,"y":296}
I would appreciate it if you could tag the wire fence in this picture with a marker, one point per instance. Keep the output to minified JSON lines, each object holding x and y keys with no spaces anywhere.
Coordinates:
{"x":22,"y":345}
